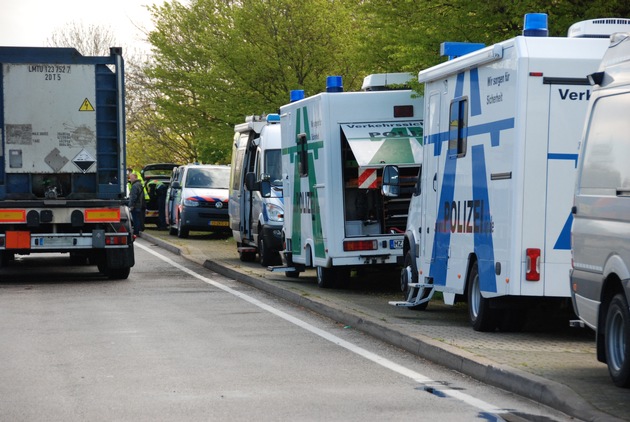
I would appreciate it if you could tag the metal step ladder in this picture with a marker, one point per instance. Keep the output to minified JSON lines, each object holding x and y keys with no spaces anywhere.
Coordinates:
{"x":419,"y":293}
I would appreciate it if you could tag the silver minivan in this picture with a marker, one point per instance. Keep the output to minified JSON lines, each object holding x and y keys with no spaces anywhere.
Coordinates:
{"x":600,"y":277}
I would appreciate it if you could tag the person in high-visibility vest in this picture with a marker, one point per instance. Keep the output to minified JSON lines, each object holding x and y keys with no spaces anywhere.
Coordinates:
{"x":139,"y":177}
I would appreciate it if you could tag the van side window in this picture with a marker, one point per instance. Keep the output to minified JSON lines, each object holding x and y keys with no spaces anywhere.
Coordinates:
{"x":302,"y":152}
{"x":238,"y":169}
{"x":607,"y":145}
{"x":458,"y":127}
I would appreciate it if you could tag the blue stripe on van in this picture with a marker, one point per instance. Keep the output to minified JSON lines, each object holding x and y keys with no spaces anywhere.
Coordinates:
{"x":568,"y":157}
{"x":484,"y":246}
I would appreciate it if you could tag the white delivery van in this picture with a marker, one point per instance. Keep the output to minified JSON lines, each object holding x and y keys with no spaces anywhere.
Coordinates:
{"x":600,"y":278}
{"x":334,"y":147}
{"x":255,"y":219}
{"x":490,"y":223}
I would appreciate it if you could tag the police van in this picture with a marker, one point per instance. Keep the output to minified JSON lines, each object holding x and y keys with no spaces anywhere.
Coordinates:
{"x":490,"y":223}
{"x":256,"y":218}
{"x":334,"y":147}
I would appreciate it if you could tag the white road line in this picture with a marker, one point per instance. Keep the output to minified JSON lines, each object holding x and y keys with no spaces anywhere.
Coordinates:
{"x":472,"y":401}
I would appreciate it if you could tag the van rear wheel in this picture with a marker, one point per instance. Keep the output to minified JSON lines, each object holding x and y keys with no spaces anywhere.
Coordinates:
{"x":326,"y":277}
{"x":481,"y":316}
{"x":617,"y":340}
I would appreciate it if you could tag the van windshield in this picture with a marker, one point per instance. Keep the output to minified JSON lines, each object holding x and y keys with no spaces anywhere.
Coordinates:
{"x":215,"y":178}
{"x":273,"y":166}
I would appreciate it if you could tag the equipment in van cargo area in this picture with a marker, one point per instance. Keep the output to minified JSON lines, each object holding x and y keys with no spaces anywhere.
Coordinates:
{"x":490,"y":221}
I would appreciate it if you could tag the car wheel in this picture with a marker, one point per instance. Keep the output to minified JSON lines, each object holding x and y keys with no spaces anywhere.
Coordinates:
{"x":182,"y":231}
{"x":481,"y":316}
{"x":617,"y":340}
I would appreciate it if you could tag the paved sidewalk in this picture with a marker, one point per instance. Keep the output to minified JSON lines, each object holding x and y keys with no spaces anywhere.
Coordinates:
{"x":548,"y":362}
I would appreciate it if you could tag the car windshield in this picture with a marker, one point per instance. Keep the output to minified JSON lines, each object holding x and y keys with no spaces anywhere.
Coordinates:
{"x":273,"y":166}
{"x":215,"y":178}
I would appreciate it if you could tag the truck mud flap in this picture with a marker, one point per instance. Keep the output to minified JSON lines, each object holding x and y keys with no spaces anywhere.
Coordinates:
{"x":120,"y":258}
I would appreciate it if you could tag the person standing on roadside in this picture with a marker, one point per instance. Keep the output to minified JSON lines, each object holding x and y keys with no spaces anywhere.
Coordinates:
{"x":137,"y":203}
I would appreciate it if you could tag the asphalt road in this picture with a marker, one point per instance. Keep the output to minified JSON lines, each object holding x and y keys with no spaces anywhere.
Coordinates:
{"x":177,"y":341}
{"x":548,"y":362}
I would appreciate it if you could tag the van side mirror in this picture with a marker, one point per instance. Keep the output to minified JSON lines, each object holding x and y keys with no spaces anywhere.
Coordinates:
{"x":176,"y":185}
{"x":250,"y":182}
{"x":391,"y":183}
{"x":263,"y":186}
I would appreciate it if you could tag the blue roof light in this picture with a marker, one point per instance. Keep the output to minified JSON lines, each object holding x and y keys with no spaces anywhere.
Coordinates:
{"x":535,"y":25}
{"x":457,"y":49}
{"x":297,"y":95}
{"x":273,"y":118}
{"x":334,"y":84}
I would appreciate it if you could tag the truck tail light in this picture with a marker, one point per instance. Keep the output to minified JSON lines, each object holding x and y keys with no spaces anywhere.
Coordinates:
{"x":115,"y":240}
{"x":360,"y":245}
{"x":532,"y":270}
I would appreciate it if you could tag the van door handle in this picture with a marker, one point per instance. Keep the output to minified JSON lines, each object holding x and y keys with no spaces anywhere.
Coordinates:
{"x":435,"y":183}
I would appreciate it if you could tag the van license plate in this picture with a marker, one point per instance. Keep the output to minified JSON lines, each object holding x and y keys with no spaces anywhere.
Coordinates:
{"x":395,"y":244}
{"x":221,"y":223}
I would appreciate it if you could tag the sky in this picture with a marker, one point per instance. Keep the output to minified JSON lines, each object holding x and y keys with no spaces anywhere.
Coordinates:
{"x":31,"y":23}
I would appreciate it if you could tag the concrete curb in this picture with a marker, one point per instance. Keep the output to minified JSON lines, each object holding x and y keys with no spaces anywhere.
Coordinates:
{"x":539,"y":389}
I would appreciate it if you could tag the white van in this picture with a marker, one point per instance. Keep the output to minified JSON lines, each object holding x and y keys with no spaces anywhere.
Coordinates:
{"x":197,"y":199}
{"x":600,"y":278}
{"x":490,"y":222}
{"x":256,"y":219}
{"x":335,"y":145}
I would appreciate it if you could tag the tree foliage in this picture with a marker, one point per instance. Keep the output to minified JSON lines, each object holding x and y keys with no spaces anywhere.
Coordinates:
{"x":216,"y":61}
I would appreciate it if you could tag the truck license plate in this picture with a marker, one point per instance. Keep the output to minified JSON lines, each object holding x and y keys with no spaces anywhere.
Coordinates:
{"x":395,"y":244}
{"x":223,"y":224}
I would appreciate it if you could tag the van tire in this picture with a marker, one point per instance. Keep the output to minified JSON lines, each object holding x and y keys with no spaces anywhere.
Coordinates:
{"x":481,"y":316}
{"x":326,"y":277}
{"x":267,"y":255}
{"x":182,"y":231}
{"x":617,"y":340}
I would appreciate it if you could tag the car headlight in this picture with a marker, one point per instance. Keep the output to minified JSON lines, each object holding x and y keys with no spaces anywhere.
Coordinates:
{"x":189,"y":202}
{"x":274,"y":212}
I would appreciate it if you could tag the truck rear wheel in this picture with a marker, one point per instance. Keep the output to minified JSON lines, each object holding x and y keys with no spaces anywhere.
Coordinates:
{"x":481,"y":316}
{"x":113,"y":273}
{"x":617,"y":340}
